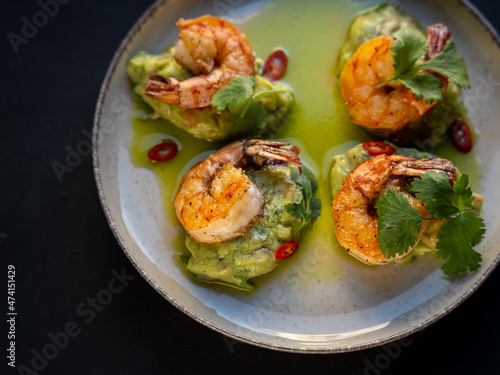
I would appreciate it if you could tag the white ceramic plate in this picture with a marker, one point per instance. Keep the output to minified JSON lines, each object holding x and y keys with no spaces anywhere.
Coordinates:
{"x":361,"y":309}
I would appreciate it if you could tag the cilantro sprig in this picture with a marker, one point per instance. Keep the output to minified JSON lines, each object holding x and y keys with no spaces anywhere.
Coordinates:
{"x":239,"y":98}
{"x":305,"y":206}
{"x":462,"y":229}
{"x":409,"y":48}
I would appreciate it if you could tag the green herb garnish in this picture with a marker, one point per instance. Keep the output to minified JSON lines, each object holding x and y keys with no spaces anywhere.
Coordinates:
{"x":239,"y":98}
{"x":235,"y":94}
{"x":409,"y":48}
{"x":398,"y":224}
{"x":305,"y":206}
{"x":463,"y":228}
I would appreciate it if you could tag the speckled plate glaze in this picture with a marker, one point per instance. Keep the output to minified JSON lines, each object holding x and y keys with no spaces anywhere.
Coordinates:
{"x":364,"y":307}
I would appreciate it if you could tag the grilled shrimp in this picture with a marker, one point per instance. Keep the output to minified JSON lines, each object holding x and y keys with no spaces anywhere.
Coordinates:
{"x":392,"y":106}
{"x":215,"y":51}
{"x":356,"y":221}
{"x":216,"y":200}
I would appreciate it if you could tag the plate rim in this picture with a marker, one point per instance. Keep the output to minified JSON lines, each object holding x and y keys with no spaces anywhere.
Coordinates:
{"x":148,"y":13}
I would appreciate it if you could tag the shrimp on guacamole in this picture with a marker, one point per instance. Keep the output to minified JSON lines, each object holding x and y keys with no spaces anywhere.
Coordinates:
{"x":385,"y":90}
{"x":356,"y":226}
{"x":179,"y":84}
{"x":391,"y":106}
{"x":393,"y":204}
{"x":236,"y":209}
{"x":215,"y":51}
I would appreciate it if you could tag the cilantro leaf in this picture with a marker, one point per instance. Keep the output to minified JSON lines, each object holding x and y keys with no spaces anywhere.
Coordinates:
{"x":296,"y":210}
{"x":398,"y":224}
{"x":232,"y":96}
{"x":462,"y":228}
{"x":298,"y":197}
{"x":314,"y":185}
{"x":455,"y":240}
{"x":256,"y":112}
{"x":241,"y":101}
{"x":441,"y":199}
{"x":305,"y":206}
{"x":450,"y":64}
{"x":315,"y":208}
{"x":408,"y":49}
{"x":423,"y":85}
{"x":464,"y":195}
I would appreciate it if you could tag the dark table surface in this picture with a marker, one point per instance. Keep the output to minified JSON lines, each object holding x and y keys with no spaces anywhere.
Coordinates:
{"x":64,"y":253}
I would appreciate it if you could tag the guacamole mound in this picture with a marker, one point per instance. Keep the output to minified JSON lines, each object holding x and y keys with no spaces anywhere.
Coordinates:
{"x":432,"y":129}
{"x":251,"y":255}
{"x":207,"y":123}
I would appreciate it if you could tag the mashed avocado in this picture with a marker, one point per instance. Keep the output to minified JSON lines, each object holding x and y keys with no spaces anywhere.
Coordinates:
{"x":431,"y":130}
{"x":237,"y":261}
{"x":206,"y":123}
{"x":369,"y":23}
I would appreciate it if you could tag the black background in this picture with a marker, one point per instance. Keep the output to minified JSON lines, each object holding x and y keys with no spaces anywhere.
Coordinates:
{"x":56,"y":235}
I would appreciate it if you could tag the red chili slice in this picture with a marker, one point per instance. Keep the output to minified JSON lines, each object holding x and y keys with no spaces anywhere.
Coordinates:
{"x":275,"y":66}
{"x":287,"y":250}
{"x":461,"y":136}
{"x":163,"y":152}
{"x":375,"y":148}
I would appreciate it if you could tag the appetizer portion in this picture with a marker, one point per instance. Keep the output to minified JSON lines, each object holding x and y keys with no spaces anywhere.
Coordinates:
{"x":390,"y":202}
{"x":243,"y":209}
{"x":400,"y":83}
{"x":182,"y":85}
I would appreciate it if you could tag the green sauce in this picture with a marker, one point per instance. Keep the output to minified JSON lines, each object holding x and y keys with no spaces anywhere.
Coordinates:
{"x":311,"y":33}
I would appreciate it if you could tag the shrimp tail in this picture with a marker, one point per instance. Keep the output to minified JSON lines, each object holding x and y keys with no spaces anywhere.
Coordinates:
{"x":274,"y":150}
{"x":415,"y":168}
{"x":162,"y":89}
{"x":195,"y":92}
{"x":437,"y":35}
